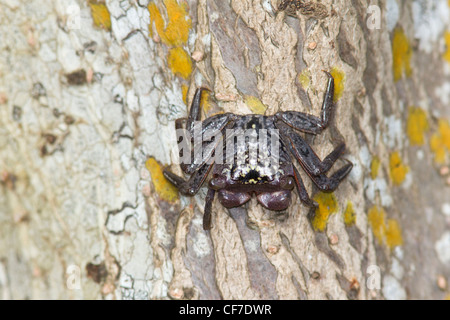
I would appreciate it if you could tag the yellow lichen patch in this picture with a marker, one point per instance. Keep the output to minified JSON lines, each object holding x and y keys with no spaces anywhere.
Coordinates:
{"x":440,"y":142}
{"x":393,"y":234}
{"x":447,"y":43}
{"x":416,"y":125}
{"x":386,"y":232}
{"x":374,"y":167}
{"x":184,"y":92}
{"x":438,"y":148}
{"x":444,"y":131}
{"x":176,"y":31}
{"x":397,"y":168}
{"x":205,"y":102}
{"x":376,"y":218}
{"x":401,"y":54}
{"x":304,"y":79}
{"x":255,"y":105}
{"x":349,"y":215}
{"x":179,"y":62}
{"x":100,"y":15}
{"x":327,"y":206}
{"x":339,"y":82}
{"x":163,"y":187}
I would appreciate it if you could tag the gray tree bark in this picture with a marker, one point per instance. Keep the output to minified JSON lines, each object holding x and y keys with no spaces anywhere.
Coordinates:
{"x":89,"y":92}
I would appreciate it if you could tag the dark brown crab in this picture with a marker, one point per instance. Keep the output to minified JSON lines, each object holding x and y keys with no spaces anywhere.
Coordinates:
{"x":236,"y":182}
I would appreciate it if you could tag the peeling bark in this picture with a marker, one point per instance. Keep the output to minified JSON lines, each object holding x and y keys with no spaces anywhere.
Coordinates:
{"x":88,"y":95}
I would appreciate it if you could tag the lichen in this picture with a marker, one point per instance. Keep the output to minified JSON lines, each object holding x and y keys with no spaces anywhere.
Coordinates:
{"x":173,"y":30}
{"x":179,"y":62}
{"x":374,"y":167}
{"x":205,"y":102}
{"x":393,"y":234}
{"x":339,"y":82}
{"x":184,"y":92}
{"x":349,"y":215}
{"x":440,"y":141}
{"x":397,"y":168}
{"x":447,"y":44}
{"x":417,"y":125}
{"x":100,"y":15}
{"x":166,"y":191}
{"x":386,"y":232}
{"x":304,"y":79}
{"x":176,"y":31}
{"x":376,"y":217}
{"x":327,"y":206}
{"x":255,"y":105}
{"x":401,"y":54}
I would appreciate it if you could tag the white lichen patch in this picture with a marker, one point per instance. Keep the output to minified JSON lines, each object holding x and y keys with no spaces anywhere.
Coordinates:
{"x":407,"y":183}
{"x":430,"y":20}
{"x":443,"y":93}
{"x":252,"y":245}
{"x":357,"y":170}
{"x":399,"y":253}
{"x":392,"y":14}
{"x":446,"y":209}
{"x":267,"y":6}
{"x":420,"y":154}
{"x":393,"y":134}
{"x":397,"y":269}
{"x":365,"y":156}
{"x":201,"y":245}
{"x":392,"y":289}
{"x":442,"y":247}
{"x":4,"y":295}
{"x":376,"y":187}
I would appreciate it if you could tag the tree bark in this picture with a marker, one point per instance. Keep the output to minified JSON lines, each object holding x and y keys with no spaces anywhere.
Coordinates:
{"x":89,"y":92}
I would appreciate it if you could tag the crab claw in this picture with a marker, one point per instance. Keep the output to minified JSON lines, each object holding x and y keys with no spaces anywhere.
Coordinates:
{"x":278,"y":200}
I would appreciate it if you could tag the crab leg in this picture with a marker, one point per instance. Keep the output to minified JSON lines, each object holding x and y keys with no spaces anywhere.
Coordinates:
{"x":308,"y":123}
{"x":194,"y":112}
{"x":330,"y":184}
{"x":311,"y":163}
{"x":305,"y":154}
{"x":194,"y":115}
{"x":201,"y":151}
{"x":191,"y":186}
{"x":208,"y":206}
{"x":303,"y":194}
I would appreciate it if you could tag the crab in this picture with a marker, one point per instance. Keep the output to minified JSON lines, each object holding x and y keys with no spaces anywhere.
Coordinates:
{"x":236,"y":181}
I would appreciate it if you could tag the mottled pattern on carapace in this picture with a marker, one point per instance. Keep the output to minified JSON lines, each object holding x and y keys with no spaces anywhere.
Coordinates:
{"x":254,"y":160}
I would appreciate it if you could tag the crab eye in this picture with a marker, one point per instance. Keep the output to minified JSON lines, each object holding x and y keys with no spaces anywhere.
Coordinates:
{"x":287,"y":183}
